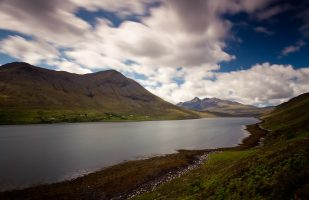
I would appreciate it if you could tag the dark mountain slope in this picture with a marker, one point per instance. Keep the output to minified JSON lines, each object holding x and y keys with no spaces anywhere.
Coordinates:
{"x":290,"y":118}
{"x":33,"y":94}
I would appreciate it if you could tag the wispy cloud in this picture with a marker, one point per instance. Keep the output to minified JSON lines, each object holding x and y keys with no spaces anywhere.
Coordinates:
{"x":304,"y":15}
{"x":28,"y":50}
{"x":261,"y":29}
{"x":272,"y":11}
{"x":293,"y":48}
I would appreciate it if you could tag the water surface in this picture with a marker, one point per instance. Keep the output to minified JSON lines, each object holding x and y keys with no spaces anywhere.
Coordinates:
{"x":36,"y":154}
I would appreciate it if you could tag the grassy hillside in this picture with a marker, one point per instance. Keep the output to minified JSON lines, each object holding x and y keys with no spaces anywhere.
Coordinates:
{"x":290,"y":119}
{"x":277,"y":170}
{"x":30,"y":94}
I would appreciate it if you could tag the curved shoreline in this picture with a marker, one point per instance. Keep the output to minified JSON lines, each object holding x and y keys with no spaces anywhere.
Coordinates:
{"x":153,"y":184}
{"x":256,"y":133}
{"x":136,"y":176}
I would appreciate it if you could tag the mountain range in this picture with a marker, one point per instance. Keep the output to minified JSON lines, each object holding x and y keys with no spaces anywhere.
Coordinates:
{"x":30,"y":94}
{"x":222,"y":107}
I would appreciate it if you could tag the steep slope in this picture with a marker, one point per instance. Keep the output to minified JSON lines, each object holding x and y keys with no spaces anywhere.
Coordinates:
{"x":289,"y":119}
{"x":30,"y":94}
{"x":222,"y":107}
{"x":277,"y":170}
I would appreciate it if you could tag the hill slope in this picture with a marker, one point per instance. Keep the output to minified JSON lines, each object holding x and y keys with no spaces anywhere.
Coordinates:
{"x":277,"y":170}
{"x":290,"y":118}
{"x":222,"y":107}
{"x":30,"y":94}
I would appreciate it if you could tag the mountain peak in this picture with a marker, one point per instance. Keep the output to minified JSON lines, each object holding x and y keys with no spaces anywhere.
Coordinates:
{"x":24,"y":68}
{"x":108,"y":74}
{"x":16,"y":65}
{"x":110,"y":71}
{"x":217,"y":105}
{"x":195,"y":99}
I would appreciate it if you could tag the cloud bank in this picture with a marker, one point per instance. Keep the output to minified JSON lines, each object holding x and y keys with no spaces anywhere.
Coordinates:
{"x":262,"y":85}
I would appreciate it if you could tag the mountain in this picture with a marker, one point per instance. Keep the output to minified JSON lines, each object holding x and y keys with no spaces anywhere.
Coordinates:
{"x":29,"y":94}
{"x":222,"y":107}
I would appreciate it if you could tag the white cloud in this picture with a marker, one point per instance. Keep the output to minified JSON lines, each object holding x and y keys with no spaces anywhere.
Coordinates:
{"x":262,"y":84}
{"x":176,"y":33}
{"x":121,"y":7}
{"x":65,"y":65}
{"x":53,"y":21}
{"x":28,"y":50}
{"x":293,"y":48}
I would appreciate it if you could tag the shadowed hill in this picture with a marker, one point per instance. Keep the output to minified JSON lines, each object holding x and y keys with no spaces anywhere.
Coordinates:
{"x":290,"y":118}
{"x":30,"y":94}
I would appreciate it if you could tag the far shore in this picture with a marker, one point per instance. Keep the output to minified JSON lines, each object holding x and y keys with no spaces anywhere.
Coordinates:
{"x":131,"y":178}
{"x":118,"y":120}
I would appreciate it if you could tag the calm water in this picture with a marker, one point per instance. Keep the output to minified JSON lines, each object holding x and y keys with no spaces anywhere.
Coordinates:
{"x":36,"y":154}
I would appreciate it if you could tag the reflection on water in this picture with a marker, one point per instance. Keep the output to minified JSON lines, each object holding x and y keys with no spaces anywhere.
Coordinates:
{"x":36,"y":154}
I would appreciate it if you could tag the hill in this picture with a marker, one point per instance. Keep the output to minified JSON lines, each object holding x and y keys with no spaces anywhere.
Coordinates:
{"x":290,"y":118}
{"x":29,"y":94}
{"x":223,"y":107}
{"x":277,"y":169}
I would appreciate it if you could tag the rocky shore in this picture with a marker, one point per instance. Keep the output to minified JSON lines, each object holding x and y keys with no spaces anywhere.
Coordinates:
{"x":152,"y":185}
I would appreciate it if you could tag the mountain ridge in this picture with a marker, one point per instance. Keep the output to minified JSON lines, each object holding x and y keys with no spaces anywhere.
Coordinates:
{"x":222,"y":107}
{"x":30,"y":94}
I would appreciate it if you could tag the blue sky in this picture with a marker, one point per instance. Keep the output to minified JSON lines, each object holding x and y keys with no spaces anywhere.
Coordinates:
{"x":258,"y":47}
{"x":177,"y":49}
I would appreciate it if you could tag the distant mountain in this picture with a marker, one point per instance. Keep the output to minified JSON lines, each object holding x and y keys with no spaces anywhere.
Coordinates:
{"x":30,"y":94}
{"x":222,"y":107}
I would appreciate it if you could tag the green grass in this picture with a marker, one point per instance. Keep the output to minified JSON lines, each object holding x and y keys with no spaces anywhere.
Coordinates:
{"x":267,"y":173}
{"x":34,"y":116}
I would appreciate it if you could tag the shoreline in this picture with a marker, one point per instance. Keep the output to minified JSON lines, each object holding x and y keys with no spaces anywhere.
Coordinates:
{"x":158,"y":181}
{"x":135,"y":176}
{"x":117,"y":121}
{"x":102,"y":121}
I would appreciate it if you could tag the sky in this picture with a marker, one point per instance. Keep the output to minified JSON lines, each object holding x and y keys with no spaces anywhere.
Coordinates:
{"x":251,"y":51}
